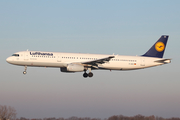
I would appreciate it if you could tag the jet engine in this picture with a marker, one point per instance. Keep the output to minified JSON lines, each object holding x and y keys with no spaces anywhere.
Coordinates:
{"x":72,"y":68}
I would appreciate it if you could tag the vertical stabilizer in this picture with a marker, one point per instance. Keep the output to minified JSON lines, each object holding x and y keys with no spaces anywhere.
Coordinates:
{"x":157,"y":50}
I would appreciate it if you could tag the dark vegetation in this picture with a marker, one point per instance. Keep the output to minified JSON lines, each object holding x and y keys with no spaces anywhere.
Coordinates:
{"x":115,"y":117}
{"x":9,"y":113}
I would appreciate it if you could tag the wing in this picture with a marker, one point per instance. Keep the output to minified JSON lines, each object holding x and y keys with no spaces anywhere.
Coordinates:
{"x":98,"y":61}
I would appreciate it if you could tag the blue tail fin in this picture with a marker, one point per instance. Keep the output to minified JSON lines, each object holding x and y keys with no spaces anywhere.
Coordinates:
{"x":157,"y":50}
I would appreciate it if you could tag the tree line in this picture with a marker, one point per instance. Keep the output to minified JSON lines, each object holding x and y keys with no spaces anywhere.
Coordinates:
{"x":9,"y":113}
{"x":115,"y":117}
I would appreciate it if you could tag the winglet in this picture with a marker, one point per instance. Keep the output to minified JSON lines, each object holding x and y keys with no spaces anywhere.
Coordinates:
{"x":157,"y":50}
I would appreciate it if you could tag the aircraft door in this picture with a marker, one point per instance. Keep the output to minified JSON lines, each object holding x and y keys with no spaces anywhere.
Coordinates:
{"x":142,"y":62}
{"x":26,"y":55}
{"x":59,"y":58}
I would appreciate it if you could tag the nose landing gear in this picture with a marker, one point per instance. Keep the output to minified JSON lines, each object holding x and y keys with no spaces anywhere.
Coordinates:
{"x":25,"y":68}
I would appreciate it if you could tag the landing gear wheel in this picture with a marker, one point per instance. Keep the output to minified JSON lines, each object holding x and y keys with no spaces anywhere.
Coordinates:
{"x":24,"y":72}
{"x":25,"y":68}
{"x":90,"y":74}
{"x":85,"y":75}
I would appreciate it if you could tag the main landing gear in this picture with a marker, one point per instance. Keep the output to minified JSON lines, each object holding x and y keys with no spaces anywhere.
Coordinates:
{"x":85,"y":75}
{"x":90,"y":74}
{"x":25,"y":68}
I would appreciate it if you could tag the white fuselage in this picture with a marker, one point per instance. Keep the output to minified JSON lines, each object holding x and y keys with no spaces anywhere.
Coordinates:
{"x":58,"y":59}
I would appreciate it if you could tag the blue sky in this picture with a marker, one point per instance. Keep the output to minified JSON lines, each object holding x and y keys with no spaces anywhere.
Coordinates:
{"x":105,"y":27}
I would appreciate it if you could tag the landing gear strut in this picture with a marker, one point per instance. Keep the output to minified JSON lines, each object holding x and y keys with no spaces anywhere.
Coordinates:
{"x":25,"y":68}
{"x":90,"y":74}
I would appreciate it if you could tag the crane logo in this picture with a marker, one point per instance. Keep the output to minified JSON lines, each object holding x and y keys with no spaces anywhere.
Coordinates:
{"x":159,"y":46}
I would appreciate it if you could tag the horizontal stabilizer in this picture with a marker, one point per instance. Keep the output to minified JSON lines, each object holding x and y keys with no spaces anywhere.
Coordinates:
{"x":165,"y":61}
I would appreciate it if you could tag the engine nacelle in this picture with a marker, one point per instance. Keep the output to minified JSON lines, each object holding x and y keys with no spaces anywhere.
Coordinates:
{"x":73,"y":68}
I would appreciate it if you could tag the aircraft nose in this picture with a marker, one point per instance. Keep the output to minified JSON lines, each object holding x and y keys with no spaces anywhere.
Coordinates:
{"x":8,"y":59}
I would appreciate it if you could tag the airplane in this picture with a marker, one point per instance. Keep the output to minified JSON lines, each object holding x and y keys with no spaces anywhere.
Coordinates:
{"x":79,"y":62}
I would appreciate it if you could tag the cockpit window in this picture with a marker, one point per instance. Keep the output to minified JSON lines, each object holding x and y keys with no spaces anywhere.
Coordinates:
{"x":17,"y":55}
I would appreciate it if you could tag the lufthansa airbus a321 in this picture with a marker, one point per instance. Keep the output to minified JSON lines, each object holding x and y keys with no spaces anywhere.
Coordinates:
{"x":78,"y":62}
